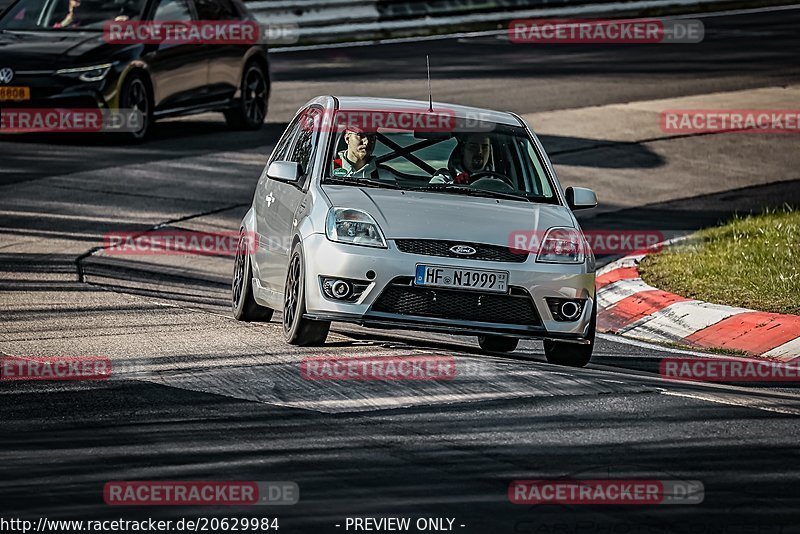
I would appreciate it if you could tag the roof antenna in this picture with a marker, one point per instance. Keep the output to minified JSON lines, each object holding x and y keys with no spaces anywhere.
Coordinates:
{"x":430,"y":94}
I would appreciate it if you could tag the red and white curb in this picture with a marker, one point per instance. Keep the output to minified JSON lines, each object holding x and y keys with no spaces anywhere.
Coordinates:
{"x":630,"y":307}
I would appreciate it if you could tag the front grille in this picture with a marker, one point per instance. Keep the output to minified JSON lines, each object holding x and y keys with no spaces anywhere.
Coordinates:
{"x":435,"y":247}
{"x":405,"y":299}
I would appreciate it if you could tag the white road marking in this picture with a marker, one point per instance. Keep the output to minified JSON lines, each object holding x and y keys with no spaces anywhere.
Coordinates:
{"x":756,"y":403}
{"x":654,"y":348}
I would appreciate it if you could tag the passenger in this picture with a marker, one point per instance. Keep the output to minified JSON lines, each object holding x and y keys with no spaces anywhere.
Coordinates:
{"x":357,"y":160}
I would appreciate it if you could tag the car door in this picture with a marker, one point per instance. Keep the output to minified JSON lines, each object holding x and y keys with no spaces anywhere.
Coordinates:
{"x":179,"y":70}
{"x":268,"y":255}
{"x":224,"y":60}
{"x":283,"y":200}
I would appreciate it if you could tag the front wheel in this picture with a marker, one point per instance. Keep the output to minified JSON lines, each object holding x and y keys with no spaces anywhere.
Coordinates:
{"x":135,"y":95}
{"x":498,"y":343}
{"x":296,"y":329}
{"x":251,"y":110}
{"x":572,"y":354}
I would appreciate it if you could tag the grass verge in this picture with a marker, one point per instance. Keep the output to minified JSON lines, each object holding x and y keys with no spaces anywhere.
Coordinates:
{"x":752,"y":262}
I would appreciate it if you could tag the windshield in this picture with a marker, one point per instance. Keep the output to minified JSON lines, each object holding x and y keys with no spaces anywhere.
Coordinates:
{"x":69,"y":14}
{"x":488,"y":159}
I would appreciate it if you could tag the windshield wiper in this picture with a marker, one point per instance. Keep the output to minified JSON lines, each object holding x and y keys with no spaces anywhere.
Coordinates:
{"x":472,"y":192}
{"x":361,"y":181}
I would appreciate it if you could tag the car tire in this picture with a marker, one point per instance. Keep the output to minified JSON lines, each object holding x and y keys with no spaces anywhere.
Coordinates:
{"x":498,"y":343}
{"x":251,"y":108}
{"x":245,"y":307}
{"x":572,"y":354}
{"x":296,"y":329}
{"x":136,"y":94}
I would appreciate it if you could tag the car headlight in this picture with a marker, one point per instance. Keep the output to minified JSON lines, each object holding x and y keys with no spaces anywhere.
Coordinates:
{"x":94,"y":73}
{"x":354,"y":227}
{"x":562,"y":245}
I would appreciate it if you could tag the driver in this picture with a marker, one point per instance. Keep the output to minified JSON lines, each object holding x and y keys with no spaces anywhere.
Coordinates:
{"x":69,"y":21}
{"x":472,"y":154}
{"x":357,"y":160}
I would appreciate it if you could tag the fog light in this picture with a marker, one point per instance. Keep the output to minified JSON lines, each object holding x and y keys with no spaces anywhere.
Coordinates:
{"x":570,"y":310}
{"x":565,"y":309}
{"x":342,"y":288}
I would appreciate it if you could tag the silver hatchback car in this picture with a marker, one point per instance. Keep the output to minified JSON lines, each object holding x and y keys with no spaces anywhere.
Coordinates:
{"x":422,"y":216}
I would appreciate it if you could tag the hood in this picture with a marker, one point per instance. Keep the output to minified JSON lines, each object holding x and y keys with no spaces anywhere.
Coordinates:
{"x":50,"y":50}
{"x":425,"y":215}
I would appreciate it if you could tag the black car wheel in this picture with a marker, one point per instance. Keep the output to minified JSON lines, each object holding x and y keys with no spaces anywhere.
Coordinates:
{"x":572,"y":354}
{"x":251,"y":110}
{"x":135,"y":95}
{"x":245,"y":308}
{"x":498,"y":343}
{"x":297,"y":329}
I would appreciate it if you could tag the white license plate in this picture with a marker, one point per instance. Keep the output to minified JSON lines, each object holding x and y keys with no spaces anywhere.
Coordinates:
{"x":473,"y":279}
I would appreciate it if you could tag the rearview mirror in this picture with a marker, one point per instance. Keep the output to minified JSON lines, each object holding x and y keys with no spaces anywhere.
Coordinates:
{"x":580,"y":198}
{"x":285,"y":171}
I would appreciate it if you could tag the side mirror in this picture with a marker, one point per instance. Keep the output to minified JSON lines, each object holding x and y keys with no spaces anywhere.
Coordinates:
{"x":285,"y":171}
{"x":580,"y":198}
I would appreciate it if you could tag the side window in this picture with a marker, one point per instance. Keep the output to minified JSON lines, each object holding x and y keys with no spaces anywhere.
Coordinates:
{"x":216,"y":10}
{"x":541,"y":185}
{"x":173,"y":10}
{"x":281,"y":152}
{"x":299,"y":141}
{"x":304,"y":147}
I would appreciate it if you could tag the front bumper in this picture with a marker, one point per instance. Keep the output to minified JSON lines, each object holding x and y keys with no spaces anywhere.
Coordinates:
{"x":531,"y":280}
{"x":48,"y":91}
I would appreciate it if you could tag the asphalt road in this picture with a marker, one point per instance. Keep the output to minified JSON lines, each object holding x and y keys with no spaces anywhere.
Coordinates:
{"x":199,"y":396}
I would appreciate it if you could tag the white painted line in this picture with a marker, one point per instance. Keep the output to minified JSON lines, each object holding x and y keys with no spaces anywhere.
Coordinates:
{"x":655,"y":348}
{"x":787,"y":351}
{"x":734,"y":12}
{"x":680,"y":320}
{"x":611,"y":294}
{"x":753,"y":402}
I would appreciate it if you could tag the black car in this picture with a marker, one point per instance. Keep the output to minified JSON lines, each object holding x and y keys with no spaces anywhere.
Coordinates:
{"x":55,"y":54}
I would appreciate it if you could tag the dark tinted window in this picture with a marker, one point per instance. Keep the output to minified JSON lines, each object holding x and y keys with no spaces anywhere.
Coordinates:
{"x":173,"y":10}
{"x":216,"y":10}
{"x":47,"y":14}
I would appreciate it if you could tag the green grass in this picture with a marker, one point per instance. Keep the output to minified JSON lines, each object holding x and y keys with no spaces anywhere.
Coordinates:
{"x":752,"y":262}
